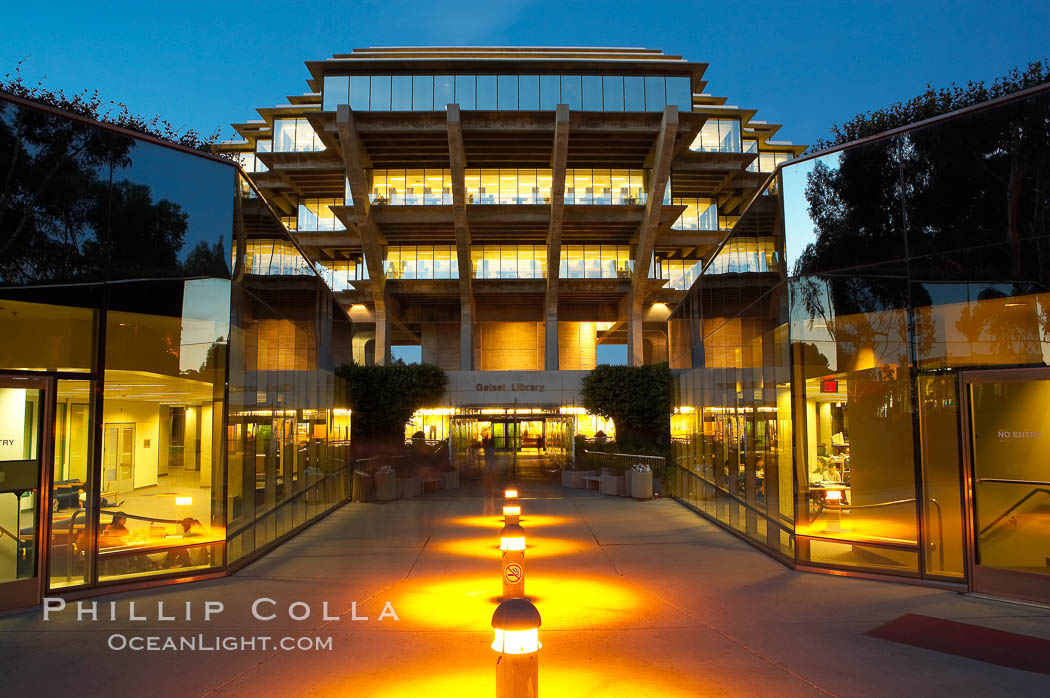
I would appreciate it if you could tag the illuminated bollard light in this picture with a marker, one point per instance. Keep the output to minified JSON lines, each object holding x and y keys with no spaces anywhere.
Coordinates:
{"x":517,"y":624}
{"x":512,"y":561}
{"x":511,"y":513}
{"x":510,"y":493}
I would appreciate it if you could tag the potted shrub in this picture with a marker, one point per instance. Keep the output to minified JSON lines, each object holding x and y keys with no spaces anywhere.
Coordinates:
{"x":385,"y":483}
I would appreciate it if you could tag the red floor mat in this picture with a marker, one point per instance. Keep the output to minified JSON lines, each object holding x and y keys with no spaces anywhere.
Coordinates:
{"x":965,"y":640}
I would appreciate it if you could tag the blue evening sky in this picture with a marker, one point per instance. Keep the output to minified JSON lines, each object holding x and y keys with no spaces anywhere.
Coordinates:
{"x":804,"y":65}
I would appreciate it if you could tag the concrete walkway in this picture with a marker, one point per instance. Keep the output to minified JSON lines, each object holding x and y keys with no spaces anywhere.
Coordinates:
{"x":637,"y":598}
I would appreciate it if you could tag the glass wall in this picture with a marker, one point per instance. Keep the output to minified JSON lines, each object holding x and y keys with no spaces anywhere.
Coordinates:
{"x":508,"y":186}
{"x":699,"y":214}
{"x":506,"y":92}
{"x":743,"y":255}
{"x":275,"y":257}
{"x":508,"y":261}
{"x":899,"y":271}
{"x":295,"y":136}
{"x":316,"y":215}
{"x":429,"y":187}
{"x":718,"y":136}
{"x":123,"y":296}
{"x":586,"y":186}
{"x":340,"y":274}
{"x":596,"y":262}
{"x":433,"y":187}
{"x":680,"y":273}
{"x":421,"y":262}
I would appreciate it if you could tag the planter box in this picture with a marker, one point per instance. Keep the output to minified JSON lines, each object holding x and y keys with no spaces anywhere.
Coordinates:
{"x":409,"y":486}
{"x":386,"y":486}
{"x":640,"y":485}
{"x":573,"y":479}
{"x":449,"y":479}
{"x":612,"y":484}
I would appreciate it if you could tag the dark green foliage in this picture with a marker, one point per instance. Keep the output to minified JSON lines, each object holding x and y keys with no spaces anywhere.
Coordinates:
{"x":383,"y":399}
{"x":934,"y":102}
{"x":638,"y":400}
{"x":91,"y":105}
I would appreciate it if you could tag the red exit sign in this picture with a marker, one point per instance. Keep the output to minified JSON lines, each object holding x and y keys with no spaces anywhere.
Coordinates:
{"x":829,"y":385}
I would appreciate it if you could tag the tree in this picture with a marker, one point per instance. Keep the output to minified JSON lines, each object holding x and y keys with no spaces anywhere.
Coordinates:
{"x":637,"y":399}
{"x":934,"y":102}
{"x":964,"y":199}
{"x":383,"y":398}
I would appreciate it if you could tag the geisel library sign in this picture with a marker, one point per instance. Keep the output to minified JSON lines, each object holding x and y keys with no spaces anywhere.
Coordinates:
{"x":554,"y":388}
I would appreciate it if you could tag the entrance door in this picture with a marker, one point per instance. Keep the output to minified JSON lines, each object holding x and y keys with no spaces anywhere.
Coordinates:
{"x":506,"y":435}
{"x":23,"y":411}
{"x":118,"y":459}
{"x":1009,"y":427}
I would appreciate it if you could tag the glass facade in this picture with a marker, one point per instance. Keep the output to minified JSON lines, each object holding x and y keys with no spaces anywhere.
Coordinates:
{"x":421,"y":262}
{"x":869,"y":390}
{"x":506,"y":92}
{"x":508,"y":261}
{"x":295,"y":136}
{"x":433,"y":187}
{"x":718,"y":136}
{"x":699,"y":214}
{"x":596,"y":262}
{"x":317,"y":215}
{"x":197,"y":417}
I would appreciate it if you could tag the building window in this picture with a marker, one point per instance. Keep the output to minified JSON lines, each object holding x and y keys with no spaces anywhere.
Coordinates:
{"x":317,"y":215}
{"x":508,"y":186}
{"x":718,"y":136}
{"x":421,"y":262}
{"x":506,"y":92}
{"x":743,"y":255}
{"x":272,"y":257}
{"x":699,"y":214}
{"x":680,"y":273}
{"x":295,"y":136}
{"x":509,"y":261}
{"x":597,"y":187}
{"x":596,"y":262}
{"x":430,"y":187}
{"x":340,"y":274}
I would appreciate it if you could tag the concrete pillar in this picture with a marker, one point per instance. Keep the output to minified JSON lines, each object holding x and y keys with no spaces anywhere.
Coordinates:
{"x":635,"y":340}
{"x":466,"y":337}
{"x":382,"y":345}
{"x":551,"y":358}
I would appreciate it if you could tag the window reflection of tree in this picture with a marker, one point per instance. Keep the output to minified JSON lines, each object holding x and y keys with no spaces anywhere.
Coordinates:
{"x":973,"y":195}
{"x":63,"y":219}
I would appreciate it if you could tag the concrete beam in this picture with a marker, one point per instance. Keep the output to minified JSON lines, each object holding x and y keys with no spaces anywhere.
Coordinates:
{"x":559,"y":157}
{"x":457,"y":156}
{"x":661,"y":156}
{"x":355,"y":160}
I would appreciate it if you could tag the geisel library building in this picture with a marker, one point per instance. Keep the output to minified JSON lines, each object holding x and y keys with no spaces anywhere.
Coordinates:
{"x":859,"y":337}
{"x":515,"y":216}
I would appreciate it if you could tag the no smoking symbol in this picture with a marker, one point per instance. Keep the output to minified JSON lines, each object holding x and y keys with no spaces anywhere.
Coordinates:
{"x":512,"y":573}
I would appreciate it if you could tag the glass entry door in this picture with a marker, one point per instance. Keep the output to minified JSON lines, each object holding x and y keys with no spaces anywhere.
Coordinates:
{"x":23,"y":410}
{"x":506,"y":436}
{"x":1009,"y":415}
